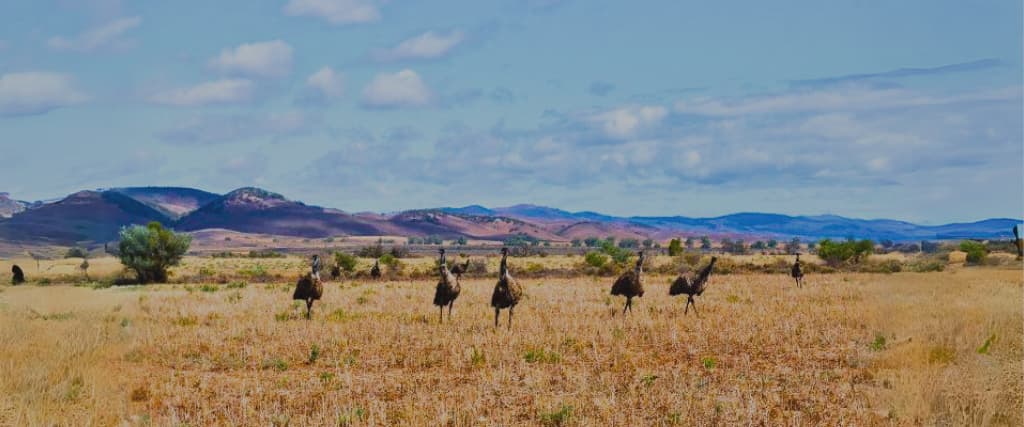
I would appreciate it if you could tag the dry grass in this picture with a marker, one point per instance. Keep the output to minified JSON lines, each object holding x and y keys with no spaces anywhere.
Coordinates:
{"x":847,"y":349}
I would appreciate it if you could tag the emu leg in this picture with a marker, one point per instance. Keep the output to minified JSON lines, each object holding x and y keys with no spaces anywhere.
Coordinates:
{"x":687,"y":309}
{"x":695,"y":308}
{"x":450,"y":304}
{"x":309,"y":308}
{"x":629,"y":304}
{"x":625,"y":306}
{"x":496,"y":312}
{"x":440,"y":315}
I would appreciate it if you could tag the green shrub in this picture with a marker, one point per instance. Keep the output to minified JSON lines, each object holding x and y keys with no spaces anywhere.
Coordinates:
{"x":150,"y":250}
{"x":852,"y":251}
{"x":345,"y":261}
{"x":675,"y":247}
{"x":976,"y":251}
{"x":595,"y":259}
{"x":558,"y":418}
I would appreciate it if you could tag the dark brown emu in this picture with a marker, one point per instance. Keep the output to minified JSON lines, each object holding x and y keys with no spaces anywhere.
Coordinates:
{"x":507,"y":291}
{"x":797,"y":273}
{"x":459,"y":269}
{"x":309,"y":288}
{"x":448,"y":288}
{"x":375,"y":270}
{"x":692,"y":285}
{"x":17,"y":276}
{"x":1018,"y":243}
{"x":631,"y":284}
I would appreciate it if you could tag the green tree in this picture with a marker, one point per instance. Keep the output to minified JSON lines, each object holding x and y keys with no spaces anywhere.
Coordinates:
{"x":648,"y":243}
{"x":689,"y":243}
{"x":345,"y":261}
{"x":595,"y":259}
{"x":835,"y":253}
{"x":577,"y":243}
{"x":675,"y":247}
{"x":793,"y":247}
{"x":976,"y":251}
{"x":758,"y":245}
{"x":705,"y":243}
{"x":150,"y":250}
{"x":772,"y":244}
{"x":461,"y":241}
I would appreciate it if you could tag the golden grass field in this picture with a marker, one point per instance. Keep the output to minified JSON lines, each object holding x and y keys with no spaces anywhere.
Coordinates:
{"x":847,"y":349}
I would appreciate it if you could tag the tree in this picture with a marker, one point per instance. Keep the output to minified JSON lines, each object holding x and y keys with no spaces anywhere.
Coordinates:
{"x":648,"y":243}
{"x":759,"y":245}
{"x":629,"y":243}
{"x":853,"y":251}
{"x":772,"y":244}
{"x":689,"y":243}
{"x":150,"y":250}
{"x":793,"y":246}
{"x":675,"y":247}
{"x":461,"y":241}
{"x":705,"y":243}
{"x":592,"y":242}
{"x":976,"y":251}
{"x":345,"y":261}
{"x":577,"y":243}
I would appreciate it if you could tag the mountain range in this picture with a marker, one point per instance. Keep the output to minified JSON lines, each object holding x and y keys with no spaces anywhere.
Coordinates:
{"x":97,"y":216}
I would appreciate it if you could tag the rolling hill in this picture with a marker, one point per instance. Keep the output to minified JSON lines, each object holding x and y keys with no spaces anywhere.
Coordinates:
{"x":97,"y":216}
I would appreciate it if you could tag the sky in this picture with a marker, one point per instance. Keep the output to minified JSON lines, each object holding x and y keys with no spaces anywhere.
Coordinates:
{"x":909,"y":110}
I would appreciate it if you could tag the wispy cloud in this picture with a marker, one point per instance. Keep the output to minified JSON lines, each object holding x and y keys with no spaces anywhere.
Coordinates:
{"x":960,"y":67}
{"x":429,"y":45}
{"x":225,"y":91}
{"x":337,"y":12}
{"x":263,"y":59}
{"x":106,"y":35}
{"x":37,"y":92}
{"x":396,"y":90}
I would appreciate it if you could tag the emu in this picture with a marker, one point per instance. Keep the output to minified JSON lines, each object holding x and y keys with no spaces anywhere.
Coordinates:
{"x":459,"y":269}
{"x":507,"y":291}
{"x":375,"y":270}
{"x":18,"y":275}
{"x":1018,"y":243}
{"x":797,"y":272}
{"x":692,"y":285}
{"x":631,"y":284}
{"x":448,"y":288}
{"x":309,"y":288}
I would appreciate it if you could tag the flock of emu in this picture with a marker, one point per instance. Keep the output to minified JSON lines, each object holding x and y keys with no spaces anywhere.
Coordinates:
{"x":508,"y":292}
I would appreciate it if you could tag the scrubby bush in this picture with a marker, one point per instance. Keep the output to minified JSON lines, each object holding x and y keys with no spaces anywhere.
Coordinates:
{"x":76,"y":252}
{"x":675,"y":247}
{"x":976,"y":251}
{"x":852,"y":251}
{"x":595,"y":259}
{"x":150,"y":250}
{"x":345,"y":261}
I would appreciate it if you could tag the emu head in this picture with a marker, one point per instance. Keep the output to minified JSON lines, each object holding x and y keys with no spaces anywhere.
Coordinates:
{"x":504,"y":251}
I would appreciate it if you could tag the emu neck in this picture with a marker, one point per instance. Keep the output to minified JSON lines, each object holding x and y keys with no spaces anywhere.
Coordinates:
{"x":504,"y":265}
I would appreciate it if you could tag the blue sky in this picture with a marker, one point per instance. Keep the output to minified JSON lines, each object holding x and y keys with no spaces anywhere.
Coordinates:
{"x":909,"y":110}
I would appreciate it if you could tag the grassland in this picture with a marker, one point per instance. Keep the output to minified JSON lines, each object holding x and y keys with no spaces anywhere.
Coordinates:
{"x":856,"y":349}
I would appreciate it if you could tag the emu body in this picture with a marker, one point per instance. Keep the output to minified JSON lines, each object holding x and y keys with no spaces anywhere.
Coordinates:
{"x":692,"y":285}
{"x":507,"y":291}
{"x":631,"y":283}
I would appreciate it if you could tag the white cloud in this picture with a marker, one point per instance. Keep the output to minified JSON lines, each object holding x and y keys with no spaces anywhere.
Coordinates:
{"x":264,"y":59}
{"x":105,"y":35}
{"x":226,"y":91}
{"x":847,"y":98}
{"x":327,"y":82}
{"x":402,"y":89}
{"x":30,"y":93}
{"x":429,"y":45}
{"x":336,"y":12}
{"x":627,"y":121}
